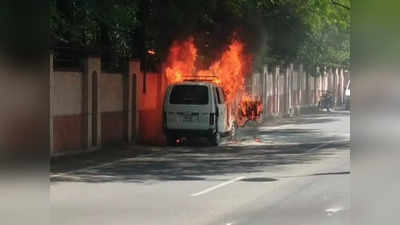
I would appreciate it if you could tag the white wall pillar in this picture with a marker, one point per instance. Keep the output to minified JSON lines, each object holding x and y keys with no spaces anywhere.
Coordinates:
{"x":134,"y":74}
{"x":300,"y":85}
{"x":90,"y":102}
{"x":128,"y":82}
{"x":51,"y":101}
{"x":291,"y":72}
{"x":286,"y":91}
{"x":265,"y":90}
{"x":276,"y":90}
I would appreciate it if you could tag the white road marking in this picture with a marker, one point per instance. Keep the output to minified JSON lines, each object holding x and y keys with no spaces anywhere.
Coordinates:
{"x":331,"y":211}
{"x":217,"y":186}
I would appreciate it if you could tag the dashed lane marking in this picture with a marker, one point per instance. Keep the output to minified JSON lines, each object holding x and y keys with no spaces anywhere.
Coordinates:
{"x":217,"y":186}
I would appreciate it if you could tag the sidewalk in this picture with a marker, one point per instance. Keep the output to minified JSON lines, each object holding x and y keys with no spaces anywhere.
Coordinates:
{"x":107,"y":154}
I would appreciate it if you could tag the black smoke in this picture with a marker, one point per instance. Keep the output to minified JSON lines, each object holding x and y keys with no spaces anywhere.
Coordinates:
{"x":213,"y":24}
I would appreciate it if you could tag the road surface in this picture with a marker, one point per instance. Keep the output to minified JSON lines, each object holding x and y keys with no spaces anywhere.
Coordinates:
{"x":296,"y":171}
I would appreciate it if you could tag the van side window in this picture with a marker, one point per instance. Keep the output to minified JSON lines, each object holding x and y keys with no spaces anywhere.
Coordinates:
{"x":221,"y":96}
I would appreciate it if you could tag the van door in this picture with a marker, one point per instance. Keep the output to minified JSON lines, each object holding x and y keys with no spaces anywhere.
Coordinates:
{"x":222,"y":128}
{"x":189,"y":107}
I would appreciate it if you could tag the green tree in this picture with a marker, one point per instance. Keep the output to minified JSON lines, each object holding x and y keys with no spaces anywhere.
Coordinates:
{"x":327,"y":41}
{"x":93,"y":24}
{"x":312,"y":32}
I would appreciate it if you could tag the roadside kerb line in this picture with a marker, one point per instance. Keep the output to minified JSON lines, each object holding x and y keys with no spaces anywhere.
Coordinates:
{"x":318,"y":147}
{"x":85,"y":168}
{"x":323,"y":145}
{"x":217,"y":186}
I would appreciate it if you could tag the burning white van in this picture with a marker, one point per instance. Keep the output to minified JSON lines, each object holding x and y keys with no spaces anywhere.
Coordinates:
{"x":195,"y":109}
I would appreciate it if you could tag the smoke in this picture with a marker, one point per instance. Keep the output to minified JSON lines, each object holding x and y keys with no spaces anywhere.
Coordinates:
{"x":249,"y":30}
{"x":213,"y":24}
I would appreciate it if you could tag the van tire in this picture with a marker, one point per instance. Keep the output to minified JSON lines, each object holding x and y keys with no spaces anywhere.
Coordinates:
{"x":215,"y":139}
{"x":171,"y":140}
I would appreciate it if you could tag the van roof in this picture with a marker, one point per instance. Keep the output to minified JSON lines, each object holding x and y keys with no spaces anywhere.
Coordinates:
{"x":203,"y":83}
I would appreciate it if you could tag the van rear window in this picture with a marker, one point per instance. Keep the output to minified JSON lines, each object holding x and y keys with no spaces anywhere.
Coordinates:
{"x":189,"y":95}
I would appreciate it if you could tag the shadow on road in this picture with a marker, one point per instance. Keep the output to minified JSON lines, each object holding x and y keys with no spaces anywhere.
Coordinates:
{"x":256,"y":149}
{"x":190,"y":164}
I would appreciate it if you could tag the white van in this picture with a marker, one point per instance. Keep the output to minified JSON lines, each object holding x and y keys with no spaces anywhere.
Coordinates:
{"x":195,"y":109}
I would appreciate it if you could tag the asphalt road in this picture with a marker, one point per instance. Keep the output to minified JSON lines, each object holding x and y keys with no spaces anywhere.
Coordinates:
{"x":295,"y":171}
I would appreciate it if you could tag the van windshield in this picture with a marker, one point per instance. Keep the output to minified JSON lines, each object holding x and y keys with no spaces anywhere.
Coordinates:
{"x":189,"y":95}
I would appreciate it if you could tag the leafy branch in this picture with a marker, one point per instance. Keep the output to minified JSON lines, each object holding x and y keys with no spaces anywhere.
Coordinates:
{"x":340,"y":4}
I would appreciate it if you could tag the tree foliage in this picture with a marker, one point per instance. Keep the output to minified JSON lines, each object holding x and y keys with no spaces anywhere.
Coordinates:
{"x":313,"y":32}
{"x":93,"y":24}
{"x":327,"y":40}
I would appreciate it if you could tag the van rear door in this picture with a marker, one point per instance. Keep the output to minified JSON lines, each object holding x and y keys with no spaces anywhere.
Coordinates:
{"x":189,"y":107}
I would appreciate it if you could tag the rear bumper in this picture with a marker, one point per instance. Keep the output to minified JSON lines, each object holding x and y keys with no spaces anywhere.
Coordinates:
{"x":189,"y":133}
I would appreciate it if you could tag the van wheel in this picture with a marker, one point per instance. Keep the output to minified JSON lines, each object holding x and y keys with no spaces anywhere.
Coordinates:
{"x":171,"y":140}
{"x":215,"y":139}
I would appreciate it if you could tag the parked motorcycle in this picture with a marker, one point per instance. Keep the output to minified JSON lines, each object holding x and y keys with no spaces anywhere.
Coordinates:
{"x":327,"y":101}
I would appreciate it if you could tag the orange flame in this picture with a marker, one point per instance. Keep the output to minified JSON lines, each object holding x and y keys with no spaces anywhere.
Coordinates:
{"x":250,"y":108}
{"x":180,"y":61}
{"x":229,"y":72}
{"x":151,"y":52}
